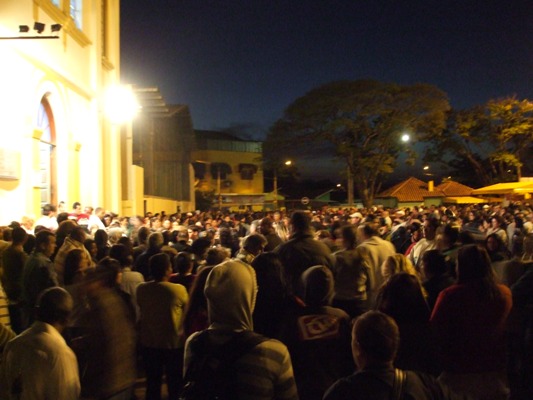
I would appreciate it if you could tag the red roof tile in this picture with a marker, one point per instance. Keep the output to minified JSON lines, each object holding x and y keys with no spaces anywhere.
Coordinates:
{"x":453,"y":189}
{"x":411,"y":189}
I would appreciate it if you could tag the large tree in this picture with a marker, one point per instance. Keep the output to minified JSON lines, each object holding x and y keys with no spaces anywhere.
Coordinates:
{"x":492,"y":141}
{"x":512,"y":132}
{"x":363,"y":122}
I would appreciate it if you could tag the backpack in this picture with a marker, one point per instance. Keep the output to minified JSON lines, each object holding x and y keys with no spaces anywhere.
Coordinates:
{"x":211,"y":375}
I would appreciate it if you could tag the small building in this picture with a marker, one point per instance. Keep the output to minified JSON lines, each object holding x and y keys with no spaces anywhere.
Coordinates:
{"x":230,"y":168}
{"x":163,"y":142}
{"x":414,"y":192}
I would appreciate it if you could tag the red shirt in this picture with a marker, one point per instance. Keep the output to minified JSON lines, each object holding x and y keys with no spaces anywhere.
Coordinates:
{"x":470,"y":330}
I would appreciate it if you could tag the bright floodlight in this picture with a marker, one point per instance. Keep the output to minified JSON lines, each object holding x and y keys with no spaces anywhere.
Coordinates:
{"x":288,"y":162}
{"x":405,"y":138}
{"x":120,"y":104}
{"x":426,"y":167}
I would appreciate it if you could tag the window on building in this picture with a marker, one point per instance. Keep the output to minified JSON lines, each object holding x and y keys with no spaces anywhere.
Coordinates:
{"x":76,"y":12}
{"x":47,"y":145}
{"x":247,"y":171}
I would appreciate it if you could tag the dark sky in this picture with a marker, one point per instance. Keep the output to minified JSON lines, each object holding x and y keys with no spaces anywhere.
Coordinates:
{"x":241,"y":62}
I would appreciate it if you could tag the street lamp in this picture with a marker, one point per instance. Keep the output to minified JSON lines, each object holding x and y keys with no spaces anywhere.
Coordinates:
{"x":275,"y":191}
{"x":405,"y":138}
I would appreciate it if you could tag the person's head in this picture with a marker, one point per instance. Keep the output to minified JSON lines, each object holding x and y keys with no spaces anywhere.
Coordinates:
{"x":160,"y":266}
{"x":375,"y":339}
{"x":494,"y":243}
{"x":49,"y":210}
{"x":45,"y":242}
{"x":495,"y":222}
{"x":76,"y":264}
{"x":216,"y":255}
{"x":430,"y":227}
{"x":266,"y":226}
{"x":29,"y":244}
{"x":367,"y":229}
{"x":254,"y":243}
{"x":466,"y":237}
{"x":349,"y":236}
{"x":78,"y":234}
{"x":18,"y":236}
{"x":396,"y":264}
{"x":183,"y":263}
{"x":300,"y":221}
{"x":433,"y":264}
{"x":402,"y":298}
{"x":142,"y":235}
{"x":199,"y":247}
{"x":122,"y":254}
{"x":101,"y":237}
{"x":110,"y":271}
{"x":76,"y":207}
{"x":156,"y":241}
{"x":231,"y":291}
{"x":317,"y":286}
{"x":54,"y":306}
{"x":91,"y":247}
{"x":474,"y":268}
{"x":449,"y":235}
{"x":183,"y":235}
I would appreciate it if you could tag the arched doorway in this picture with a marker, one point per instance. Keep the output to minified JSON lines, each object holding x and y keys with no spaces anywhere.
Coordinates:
{"x":47,"y":150}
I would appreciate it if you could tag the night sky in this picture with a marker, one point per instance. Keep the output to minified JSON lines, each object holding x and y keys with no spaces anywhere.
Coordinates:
{"x":241,"y":63}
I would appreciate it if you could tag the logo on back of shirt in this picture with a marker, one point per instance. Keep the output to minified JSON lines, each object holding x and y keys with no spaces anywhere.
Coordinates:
{"x":314,"y":327}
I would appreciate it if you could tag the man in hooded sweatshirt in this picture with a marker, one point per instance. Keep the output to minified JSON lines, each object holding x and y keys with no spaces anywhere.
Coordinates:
{"x":265,"y":371}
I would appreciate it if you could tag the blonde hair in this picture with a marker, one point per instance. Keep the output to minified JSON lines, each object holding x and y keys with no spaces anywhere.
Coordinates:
{"x":396,"y":264}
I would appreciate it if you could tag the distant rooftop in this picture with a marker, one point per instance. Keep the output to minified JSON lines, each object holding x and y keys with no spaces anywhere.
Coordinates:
{"x":224,"y":141}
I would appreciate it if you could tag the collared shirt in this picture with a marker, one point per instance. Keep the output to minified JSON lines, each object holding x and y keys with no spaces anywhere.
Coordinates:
{"x":38,"y":364}
{"x":39,"y":274}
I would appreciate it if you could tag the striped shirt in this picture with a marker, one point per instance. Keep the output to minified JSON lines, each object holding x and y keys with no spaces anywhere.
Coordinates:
{"x":264,"y":373}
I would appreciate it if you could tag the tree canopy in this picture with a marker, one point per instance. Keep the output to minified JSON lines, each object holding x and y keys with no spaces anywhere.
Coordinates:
{"x":492,"y":141}
{"x":363,"y":120}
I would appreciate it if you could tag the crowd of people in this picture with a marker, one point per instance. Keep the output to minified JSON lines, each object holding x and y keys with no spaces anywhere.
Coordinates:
{"x":338,"y":303}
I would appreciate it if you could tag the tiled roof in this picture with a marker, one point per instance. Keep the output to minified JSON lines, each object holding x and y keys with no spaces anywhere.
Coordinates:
{"x":411,"y":189}
{"x":452,"y":188}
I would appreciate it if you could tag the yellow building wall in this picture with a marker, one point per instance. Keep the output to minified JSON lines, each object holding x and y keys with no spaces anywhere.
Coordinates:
{"x":234,"y":158}
{"x":73,"y":74}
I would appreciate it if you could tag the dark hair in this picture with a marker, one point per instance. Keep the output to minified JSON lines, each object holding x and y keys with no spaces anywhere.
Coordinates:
{"x":78,"y":234}
{"x":108,"y":269}
{"x":54,"y":305}
{"x":42,"y":238}
{"x":349,"y":235}
{"x":62,"y":217}
{"x":377,"y":335}
{"x":72,"y":265}
{"x":466,"y":237}
{"x":402,"y":298}
{"x":474,"y":269}
{"x":300,"y":221}
{"x":451,"y":232}
{"x":122,"y":254}
{"x":19,"y":235}
{"x":158,"y":265}
{"x":142,"y":234}
{"x":29,"y":244}
{"x":434,"y":263}
{"x":183,"y":263}
{"x":101,"y":237}
{"x":197,"y":303}
{"x":215,"y":256}
{"x":47,"y":208}
{"x":254,"y":242}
